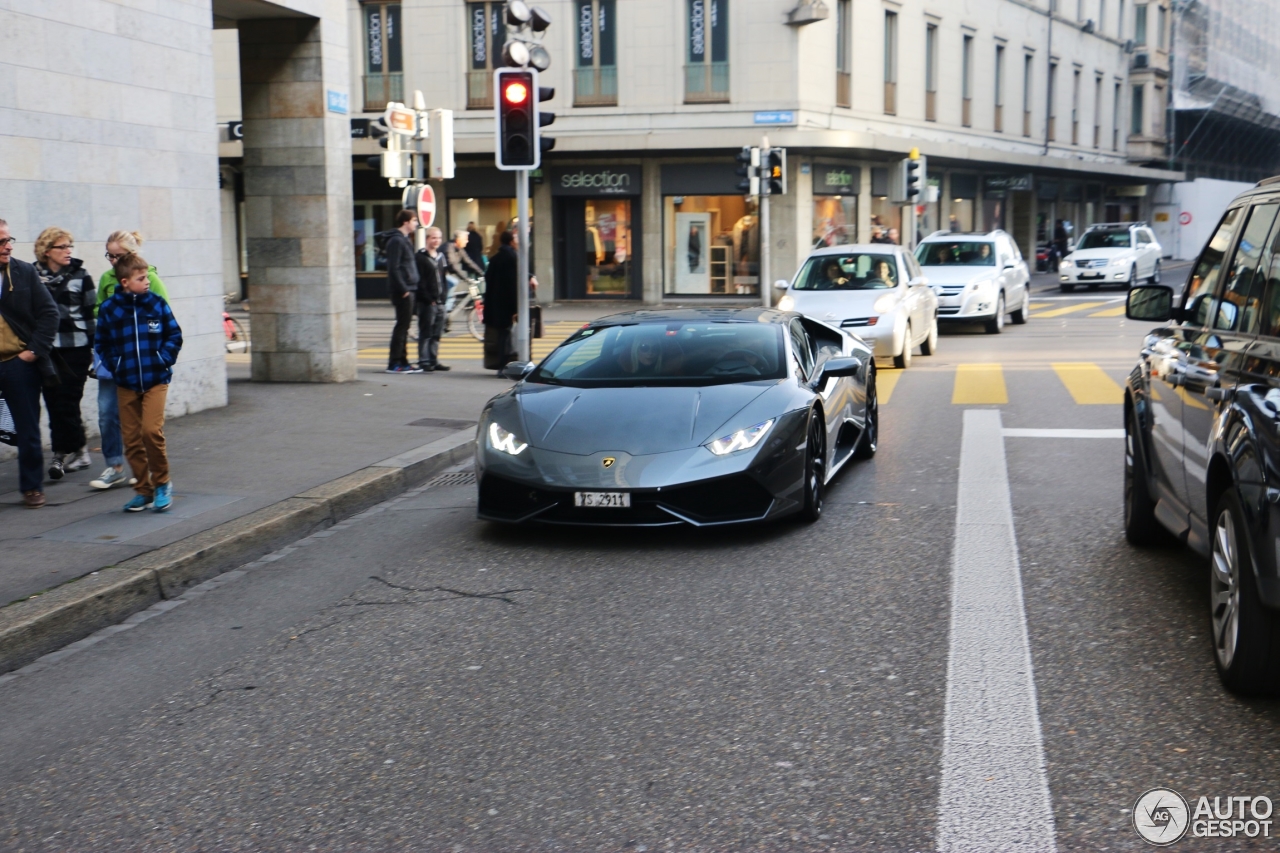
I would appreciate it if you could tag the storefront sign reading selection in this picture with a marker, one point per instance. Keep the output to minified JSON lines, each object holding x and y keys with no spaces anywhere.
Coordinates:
{"x":836,"y":180}
{"x":595,"y":180}
{"x":995,"y":186}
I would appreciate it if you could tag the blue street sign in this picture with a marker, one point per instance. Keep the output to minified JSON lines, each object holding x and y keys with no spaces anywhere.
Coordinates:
{"x":337,"y":101}
{"x":776,"y":117}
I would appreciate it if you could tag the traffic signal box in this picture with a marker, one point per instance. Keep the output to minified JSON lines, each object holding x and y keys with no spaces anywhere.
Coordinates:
{"x":774,"y":171}
{"x":748,"y":160}
{"x":519,"y":143}
{"x":910,"y":178}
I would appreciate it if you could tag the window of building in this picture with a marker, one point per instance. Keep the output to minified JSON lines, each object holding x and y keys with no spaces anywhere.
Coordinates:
{"x":891,"y":63}
{"x":1157,"y":111}
{"x":1097,"y":112}
{"x":1028,"y":75}
{"x":930,"y":72}
{"x":383,"y":55}
{"x":1102,"y":16}
{"x":844,"y":59}
{"x":1075,"y":107}
{"x":1161,"y":25}
{"x":999,"y":90}
{"x":835,"y":204}
{"x":1115,"y":119}
{"x":1140,"y":25}
{"x":1120,"y":25}
{"x":595,"y":80}
{"x":707,"y":70}
{"x":966,"y":82}
{"x":1051,"y":129}
{"x":485,"y":35}
{"x":1136,"y":111}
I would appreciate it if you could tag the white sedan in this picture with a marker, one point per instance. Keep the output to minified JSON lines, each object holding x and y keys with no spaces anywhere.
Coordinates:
{"x":875,"y":291}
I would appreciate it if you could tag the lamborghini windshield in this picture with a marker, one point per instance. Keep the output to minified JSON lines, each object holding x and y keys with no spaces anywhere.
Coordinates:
{"x":675,"y":353}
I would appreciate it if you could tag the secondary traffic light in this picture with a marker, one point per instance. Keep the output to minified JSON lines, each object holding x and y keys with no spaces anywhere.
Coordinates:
{"x":915,"y":170}
{"x":516,"y":128}
{"x":545,"y":117}
{"x":748,"y":160}
{"x":775,"y":171}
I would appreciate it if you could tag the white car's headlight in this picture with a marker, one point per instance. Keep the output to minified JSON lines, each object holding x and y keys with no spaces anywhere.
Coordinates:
{"x":505,"y":441}
{"x":743,"y":439}
{"x":1115,"y":262}
{"x":786,"y":303}
{"x":1067,"y":262}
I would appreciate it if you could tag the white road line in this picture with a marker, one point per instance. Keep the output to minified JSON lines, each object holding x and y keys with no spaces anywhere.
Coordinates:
{"x":1011,"y":432}
{"x":995,"y":792}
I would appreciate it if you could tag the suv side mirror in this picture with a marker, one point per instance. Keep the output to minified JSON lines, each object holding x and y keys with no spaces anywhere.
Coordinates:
{"x":518,"y":370}
{"x":781,"y":284}
{"x":1152,"y":302}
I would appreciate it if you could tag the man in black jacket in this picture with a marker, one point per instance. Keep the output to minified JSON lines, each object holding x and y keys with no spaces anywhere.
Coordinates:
{"x":500,"y":304}
{"x":402,"y":286}
{"x":433,"y":290}
{"x":28,"y":326}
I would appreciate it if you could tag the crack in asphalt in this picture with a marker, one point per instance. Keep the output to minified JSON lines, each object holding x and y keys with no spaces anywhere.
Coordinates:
{"x":497,"y":595}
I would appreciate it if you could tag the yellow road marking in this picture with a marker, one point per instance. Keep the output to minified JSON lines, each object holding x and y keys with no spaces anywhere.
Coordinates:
{"x":1058,"y":312}
{"x":1110,"y":312}
{"x":1036,"y":306}
{"x":1088,"y":384}
{"x":979,"y":384}
{"x":886,"y":381}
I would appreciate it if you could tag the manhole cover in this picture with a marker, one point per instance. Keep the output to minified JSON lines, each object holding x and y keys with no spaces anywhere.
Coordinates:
{"x":454,"y":478}
{"x":442,"y":423}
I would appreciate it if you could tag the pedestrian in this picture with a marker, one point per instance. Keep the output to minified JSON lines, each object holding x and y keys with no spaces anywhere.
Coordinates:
{"x":72,"y":288}
{"x":139,"y":339}
{"x":877,"y":235}
{"x":500,"y":303}
{"x":953,"y":224}
{"x":433,"y":292}
{"x":475,"y":246}
{"x":119,"y":244}
{"x":28,"y":327}
{"x":893,"y":236}
{"x":402,"y":285}
{"x":498,"y":230}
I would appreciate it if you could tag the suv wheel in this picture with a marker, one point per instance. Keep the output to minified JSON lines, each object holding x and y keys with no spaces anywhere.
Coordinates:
{"x":1019,"y":316}
{"x":1246,"y":635}
{"x":996,"y":324}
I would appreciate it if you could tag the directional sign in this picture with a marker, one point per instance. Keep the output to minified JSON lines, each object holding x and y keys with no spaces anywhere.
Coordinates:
{"x":421,"y":198}
{"x":401,"y":119}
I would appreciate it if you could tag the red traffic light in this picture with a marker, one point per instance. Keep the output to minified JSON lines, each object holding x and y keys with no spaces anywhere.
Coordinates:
{"x":515,"y":93}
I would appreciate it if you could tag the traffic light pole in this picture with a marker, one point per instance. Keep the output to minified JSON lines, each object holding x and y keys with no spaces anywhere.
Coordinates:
{"x":522,"y":268}
{"x":766,"y":287}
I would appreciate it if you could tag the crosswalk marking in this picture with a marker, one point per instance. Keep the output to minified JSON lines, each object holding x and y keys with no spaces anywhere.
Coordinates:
{"x":1070,"y":309}
{"x":1036,"y":306}
{"x":1087,"y":384}
{"x":979,"y":384}
{"x":1110,"y":312}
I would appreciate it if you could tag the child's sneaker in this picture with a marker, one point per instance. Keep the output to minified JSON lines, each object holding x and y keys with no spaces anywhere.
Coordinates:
{"x":77,"y":461}
{"x":109,"y":478}
{"x":164,"y":497}
{"x":139,"y":503}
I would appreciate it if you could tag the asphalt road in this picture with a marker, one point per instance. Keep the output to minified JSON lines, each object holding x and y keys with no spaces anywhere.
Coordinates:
{"x":417,"y":680}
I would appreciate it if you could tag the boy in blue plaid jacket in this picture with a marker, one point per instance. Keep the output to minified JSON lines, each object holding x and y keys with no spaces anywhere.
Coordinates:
{"x":138,"y":340}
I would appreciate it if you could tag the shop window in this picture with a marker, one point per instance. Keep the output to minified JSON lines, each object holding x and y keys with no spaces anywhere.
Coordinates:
{"x":835,"y":220}
{"x":384,"y":57}
{"x":706,"y":76}
{"x":713,"y":245}
{"x":595,"y":80}
{"x":370,"y":218}
{"x":608,"y":247}
{"x":491,"y":216}
{"x":485,"y":35}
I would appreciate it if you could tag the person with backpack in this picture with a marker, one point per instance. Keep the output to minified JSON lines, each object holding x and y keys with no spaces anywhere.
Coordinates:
{"x":402,"y":287}
{"x":139,"y":340}
{"x":72,"y":288}
{"x":28,"y":327}
{"x":119,"y":244}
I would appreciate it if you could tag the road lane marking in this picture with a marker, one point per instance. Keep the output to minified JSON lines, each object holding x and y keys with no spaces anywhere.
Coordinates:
{"x":886,"y":381}
{"x":1036,"y":306}
{"x":1017,"y":432}
{"x":979,"y":384}
{"x":1058,"y":312}
{"x":1111,"y":312}
{"x":1088,"y":384}
{"x":995,"y":790}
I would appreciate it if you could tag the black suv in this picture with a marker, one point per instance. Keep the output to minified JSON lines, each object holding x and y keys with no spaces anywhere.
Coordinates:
{"x":1202,"y":432}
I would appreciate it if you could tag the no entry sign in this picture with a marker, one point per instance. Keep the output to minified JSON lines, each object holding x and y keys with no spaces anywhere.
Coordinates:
{"x":421,"y":198}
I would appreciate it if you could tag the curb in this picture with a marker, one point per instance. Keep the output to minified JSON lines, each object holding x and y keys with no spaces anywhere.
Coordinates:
{"x":67,"y":613}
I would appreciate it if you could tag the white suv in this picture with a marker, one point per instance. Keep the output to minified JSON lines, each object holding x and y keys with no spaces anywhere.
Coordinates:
{"x":1122,"y":253}
{"x":979,"y":278}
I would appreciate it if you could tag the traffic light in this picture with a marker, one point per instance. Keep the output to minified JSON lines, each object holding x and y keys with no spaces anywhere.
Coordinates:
{"x":516,"y":95}
{"x":916,"y":176}
{"x":774,"y":172}
{"x":748,"y":160}
{"x":545,"y":117}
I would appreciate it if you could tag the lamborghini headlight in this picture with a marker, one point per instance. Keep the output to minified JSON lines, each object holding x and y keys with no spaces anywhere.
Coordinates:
{"x":505,"y":441}
{"x":743,"y":439}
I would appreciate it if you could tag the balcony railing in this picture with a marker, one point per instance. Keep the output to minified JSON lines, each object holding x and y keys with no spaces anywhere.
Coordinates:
{"x":381,"y":88}
{"x":844,"y":89}
{"x":706,"y":82}
{"x":966,"y":112}
{"x":480,"y":90}
{"x":998,"y":123}
{"x":595,"y":87}
{"x":930,"y":106}
{"x":890,"y":98}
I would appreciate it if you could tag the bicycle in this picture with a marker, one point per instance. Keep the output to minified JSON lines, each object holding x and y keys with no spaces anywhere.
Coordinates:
{"x":237,"y":337}
{"x":470,"y":307}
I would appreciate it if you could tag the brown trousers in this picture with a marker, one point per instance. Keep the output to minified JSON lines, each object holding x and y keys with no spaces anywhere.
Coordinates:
{"x":142,"y":428}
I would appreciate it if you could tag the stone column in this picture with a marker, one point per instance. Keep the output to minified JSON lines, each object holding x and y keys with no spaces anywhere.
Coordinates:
{"x":298,"y":206}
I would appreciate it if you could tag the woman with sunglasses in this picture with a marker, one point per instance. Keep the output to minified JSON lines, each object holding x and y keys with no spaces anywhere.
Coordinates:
{"x":71,"y":287}
{"x":119,"y":244}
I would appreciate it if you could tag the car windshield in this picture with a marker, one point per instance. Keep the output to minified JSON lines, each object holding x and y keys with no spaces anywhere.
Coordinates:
{"x":958,"y":253}
{"x":1105,"y":240}
{"x":853,"y":271}
{"x":675,"y":353}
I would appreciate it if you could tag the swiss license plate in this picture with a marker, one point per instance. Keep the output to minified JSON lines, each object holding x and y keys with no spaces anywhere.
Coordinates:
{"x":610,"y":500}
{"x":1091,"y":275}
